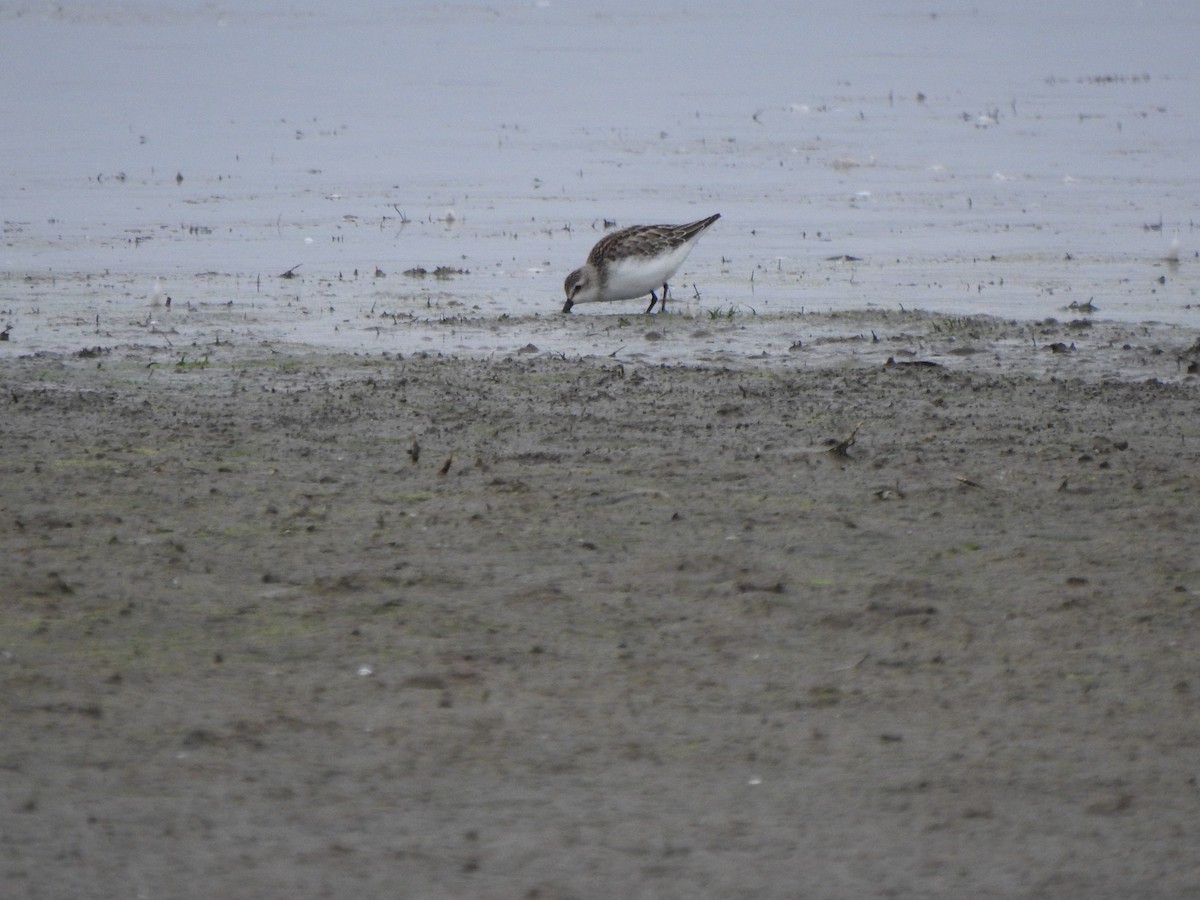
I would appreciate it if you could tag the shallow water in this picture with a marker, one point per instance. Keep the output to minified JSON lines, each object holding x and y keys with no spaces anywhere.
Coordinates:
{"x":1010,"y":159}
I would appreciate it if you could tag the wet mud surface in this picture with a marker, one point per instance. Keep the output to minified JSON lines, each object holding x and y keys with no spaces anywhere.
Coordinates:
{"x":285,"y":624}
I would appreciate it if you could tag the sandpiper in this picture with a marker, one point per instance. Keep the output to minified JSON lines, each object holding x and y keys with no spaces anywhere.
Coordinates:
{"x":633,"y":262}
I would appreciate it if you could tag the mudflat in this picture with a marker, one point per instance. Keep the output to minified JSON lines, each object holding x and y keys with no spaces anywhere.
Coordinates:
{"x":302,"y":624}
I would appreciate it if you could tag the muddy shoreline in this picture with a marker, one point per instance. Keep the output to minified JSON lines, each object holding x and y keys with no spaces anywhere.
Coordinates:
{"x":290,"y":623}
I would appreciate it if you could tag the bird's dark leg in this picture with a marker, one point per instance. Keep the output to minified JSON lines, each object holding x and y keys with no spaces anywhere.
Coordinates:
{"x":662,"y":307}
{"x":653,"y":300}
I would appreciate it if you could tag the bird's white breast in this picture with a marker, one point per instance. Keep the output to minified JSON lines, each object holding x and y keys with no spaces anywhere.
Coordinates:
{"x":637,"y":276}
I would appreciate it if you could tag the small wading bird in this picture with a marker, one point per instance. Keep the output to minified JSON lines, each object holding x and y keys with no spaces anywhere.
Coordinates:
{"x":633,"y":262}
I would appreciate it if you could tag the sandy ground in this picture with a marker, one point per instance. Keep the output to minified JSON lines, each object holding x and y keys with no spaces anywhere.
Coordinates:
{"x":284,"y":624}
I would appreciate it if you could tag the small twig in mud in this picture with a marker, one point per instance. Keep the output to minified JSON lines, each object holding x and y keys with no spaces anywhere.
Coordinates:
{"x":854,"y":665}
{"x":967,"y":482}
{"x":842,"y":447}
{"x":414,"y":452}
{"x":446,"y":465}
{"x":291,"y":273}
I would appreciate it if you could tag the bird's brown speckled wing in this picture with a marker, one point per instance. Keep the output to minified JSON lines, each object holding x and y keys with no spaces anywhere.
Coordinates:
{"x":646,"y":240}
